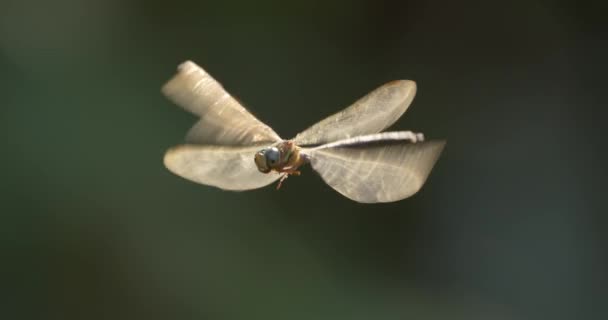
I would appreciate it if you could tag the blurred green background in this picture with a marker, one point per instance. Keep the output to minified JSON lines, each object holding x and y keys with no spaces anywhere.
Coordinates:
{"x":509,"y":225}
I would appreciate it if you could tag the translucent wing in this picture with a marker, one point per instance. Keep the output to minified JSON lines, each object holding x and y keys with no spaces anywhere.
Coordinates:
{"x":382,"y":167}
{"x":228,"y":168}
{"x":370,"y":114}
{"x":223,"y":121}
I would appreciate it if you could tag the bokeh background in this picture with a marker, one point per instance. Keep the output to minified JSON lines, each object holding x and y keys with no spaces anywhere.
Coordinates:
{"x":509,"y":226}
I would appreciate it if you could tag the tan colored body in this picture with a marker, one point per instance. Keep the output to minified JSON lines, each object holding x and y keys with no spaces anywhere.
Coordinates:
{"x":289,"y":162}
{"x":291,"y":158}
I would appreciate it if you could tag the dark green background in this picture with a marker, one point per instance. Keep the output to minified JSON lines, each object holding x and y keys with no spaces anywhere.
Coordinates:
{"x":509,"y":225}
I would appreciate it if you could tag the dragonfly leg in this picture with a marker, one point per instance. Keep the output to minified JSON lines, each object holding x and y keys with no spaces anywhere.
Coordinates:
{"x":283,"y":177}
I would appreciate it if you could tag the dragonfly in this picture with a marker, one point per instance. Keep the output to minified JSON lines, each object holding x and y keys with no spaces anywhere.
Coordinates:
{"x":229,"y":148}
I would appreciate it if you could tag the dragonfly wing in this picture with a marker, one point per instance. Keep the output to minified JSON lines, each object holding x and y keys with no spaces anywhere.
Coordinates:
{"x":376,"y":170}
{"x":371,"y":114}
{"x":228,"y":168}
{"x":223,"y":120}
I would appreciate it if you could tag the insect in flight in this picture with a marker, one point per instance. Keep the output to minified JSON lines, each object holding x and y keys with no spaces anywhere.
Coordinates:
{"x":231,"y":149}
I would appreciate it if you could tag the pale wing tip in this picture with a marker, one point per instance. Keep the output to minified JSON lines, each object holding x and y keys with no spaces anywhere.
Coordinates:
{"x":172,"y":158}
{"x":435,"y":149}
{"x":409,"y":85}
{"x":420,"y":175}
{"x":184,"y":70}
{"x":181,"y":89}
{"x":440,"y":145}
{"x":187,"y":66}
{"x":404,"y":89}
{"x":169,"y":159}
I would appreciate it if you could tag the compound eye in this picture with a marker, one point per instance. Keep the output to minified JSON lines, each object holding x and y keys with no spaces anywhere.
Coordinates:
{"x":272,"y":156}
{"x":260,"y":162}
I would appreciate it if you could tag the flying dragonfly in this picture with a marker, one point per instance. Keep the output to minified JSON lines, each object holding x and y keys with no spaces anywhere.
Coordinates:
{"x":231,"y":149}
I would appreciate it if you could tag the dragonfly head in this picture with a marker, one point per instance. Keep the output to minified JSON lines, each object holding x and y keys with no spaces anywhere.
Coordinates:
{"x":267,"y":159}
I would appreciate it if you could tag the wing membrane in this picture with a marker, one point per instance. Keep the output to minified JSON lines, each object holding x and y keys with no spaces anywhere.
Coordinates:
{"x":223,"y":120}
{"x":371,"y":114}
{"x":378,"y":170}
{"x":228,"y":168}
